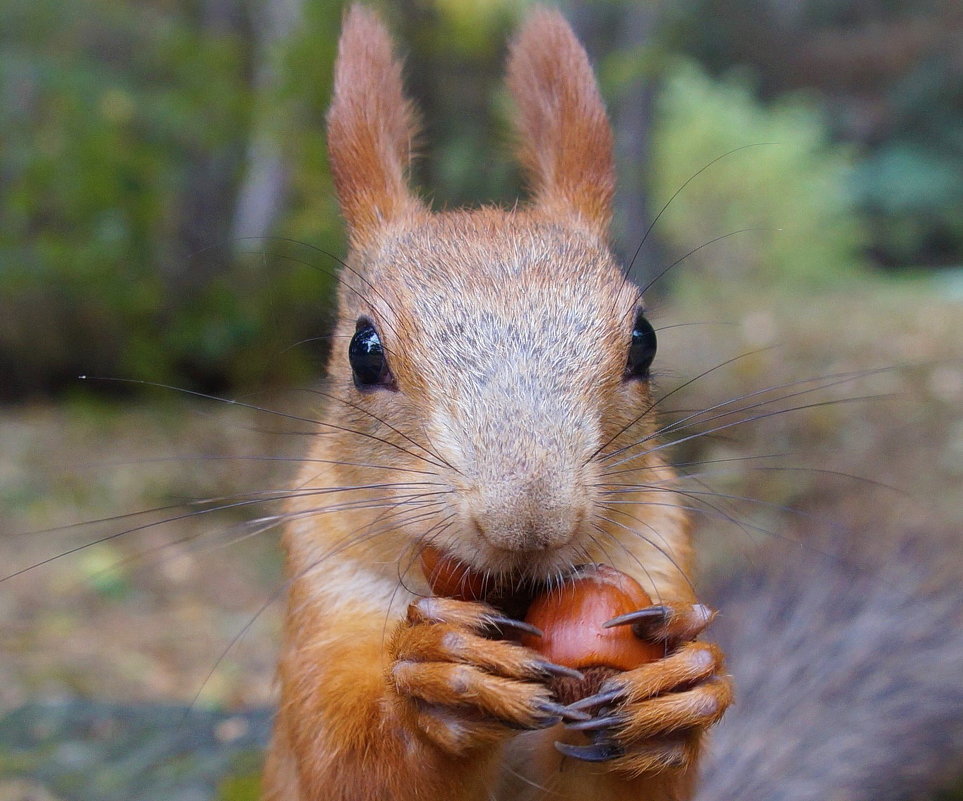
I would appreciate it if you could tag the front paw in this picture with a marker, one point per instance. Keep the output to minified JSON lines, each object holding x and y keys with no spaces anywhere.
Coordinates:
{"x":460,"y":687}
{"x":651,"y":719}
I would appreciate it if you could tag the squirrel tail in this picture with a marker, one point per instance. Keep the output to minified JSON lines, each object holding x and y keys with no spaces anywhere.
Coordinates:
{"x":848,"y":670}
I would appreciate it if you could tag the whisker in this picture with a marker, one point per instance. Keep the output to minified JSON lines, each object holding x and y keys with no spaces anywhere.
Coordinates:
{"x":663,"y":551}
{"x":675,"y":194}
{"x":383,"y":422}
{"x":220,"y":507}
{"x":608,"y":535}
{"x":695,"y":250}
{"x":337,"y":274}
{"x":247,"y":458}
{"x":657,"y":403}
{"x":274,"y":596}
{"x":694,"y":463}
{"x":256,"y":408}
{"x":828,"y":381}
{"x":743,"y":421}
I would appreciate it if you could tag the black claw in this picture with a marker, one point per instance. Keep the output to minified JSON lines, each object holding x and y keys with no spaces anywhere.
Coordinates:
{"x":595,"y":723}
{"x":597,"y":700}
{"x":601,"y":752}
{"x":501,"y":622}
{"x":650,"y":615}
{"x":546,"y":723}
{"x":558,"y":670}
{"x":565,"y":712}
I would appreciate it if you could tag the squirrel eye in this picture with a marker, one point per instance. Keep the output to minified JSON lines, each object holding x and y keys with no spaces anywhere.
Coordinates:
{"x":367,"y":357}
{"x":642,"y":349}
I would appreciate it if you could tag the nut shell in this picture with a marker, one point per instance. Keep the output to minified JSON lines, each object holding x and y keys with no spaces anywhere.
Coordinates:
{"x":571,"y":618}
{"x":450,"y":577}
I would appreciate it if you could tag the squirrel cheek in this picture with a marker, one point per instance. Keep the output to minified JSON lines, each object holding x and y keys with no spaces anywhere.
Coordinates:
{"x":571,"y":619}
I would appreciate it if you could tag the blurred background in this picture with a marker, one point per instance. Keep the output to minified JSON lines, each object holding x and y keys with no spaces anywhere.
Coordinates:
{"x":166,"y":216}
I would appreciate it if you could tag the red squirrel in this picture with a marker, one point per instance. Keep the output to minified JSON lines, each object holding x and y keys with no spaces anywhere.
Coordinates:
{"x":491,"y":401}
{"x":495,"y":371}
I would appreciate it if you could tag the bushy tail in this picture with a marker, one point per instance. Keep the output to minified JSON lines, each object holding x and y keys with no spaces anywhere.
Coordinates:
{"x":849,"y":674}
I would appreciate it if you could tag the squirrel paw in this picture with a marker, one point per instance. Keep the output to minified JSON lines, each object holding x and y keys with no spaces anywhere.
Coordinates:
{"x":464,"y":689}
{"x":651,"y":718}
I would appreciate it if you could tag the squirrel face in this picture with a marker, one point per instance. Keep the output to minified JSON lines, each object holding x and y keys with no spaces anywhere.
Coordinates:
{"x":507,"y":338}
{"x":498,"y":343}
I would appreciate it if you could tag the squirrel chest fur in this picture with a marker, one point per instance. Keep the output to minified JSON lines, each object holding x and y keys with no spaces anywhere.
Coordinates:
{"x":489,"y":398}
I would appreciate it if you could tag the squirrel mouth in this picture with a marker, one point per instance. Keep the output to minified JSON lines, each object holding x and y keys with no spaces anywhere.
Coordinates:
{"x":511,"y":592}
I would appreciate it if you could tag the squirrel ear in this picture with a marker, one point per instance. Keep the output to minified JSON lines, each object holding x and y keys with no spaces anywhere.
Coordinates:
{"x":565,"y":138}
{"x":371,"y":126}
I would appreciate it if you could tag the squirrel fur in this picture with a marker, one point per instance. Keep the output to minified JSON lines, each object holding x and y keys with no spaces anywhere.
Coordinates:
{"x":492,"y":403}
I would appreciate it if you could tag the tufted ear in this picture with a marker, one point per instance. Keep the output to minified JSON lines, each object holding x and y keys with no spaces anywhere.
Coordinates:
{"x":371,"y":126}
{"x":565,"y":142}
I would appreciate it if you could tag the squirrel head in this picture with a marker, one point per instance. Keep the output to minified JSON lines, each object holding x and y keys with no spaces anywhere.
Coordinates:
{"x":498,"y":350}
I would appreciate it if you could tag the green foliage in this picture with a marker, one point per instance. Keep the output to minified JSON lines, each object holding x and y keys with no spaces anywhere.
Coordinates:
{"x":914,"y":196}
{"x":890,"y":77}
{"x":786,"y":183}
{"x":125,"y":128}
{"x":242,"y":785}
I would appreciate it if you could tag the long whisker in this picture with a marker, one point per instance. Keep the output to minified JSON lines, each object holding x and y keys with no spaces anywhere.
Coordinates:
{"x":663,"y":551}
{"x":203,"y":457}
{"x":244,"y":502}
{"x":826,"y":382}
{"x":743,"y":421}
{"x":265,"y":410}
{"x":657,"y":403}
{"x":344,"y":267}
{"x":695,"y":250}
{"x":675,"y":194}
{"x":695,"y":463}
{"x":267,"y":603}
{"x":609,"y":536}
{"x":385,"y":423}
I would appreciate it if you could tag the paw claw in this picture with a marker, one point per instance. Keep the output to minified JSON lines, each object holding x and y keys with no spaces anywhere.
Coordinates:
{"x":597,"y":700}
{"x":562,"y":711}
{"x":503,"y":622}
{"x":594,"y":724}
{"x":672,"y":623}
{"x":600,"y":752}
{"x":558,"y":670}
{"x":649,"y":615}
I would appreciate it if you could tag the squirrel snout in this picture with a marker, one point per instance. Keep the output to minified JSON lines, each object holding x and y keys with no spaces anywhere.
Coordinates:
{"x":524,"y":482}
{"x":528,"y":516}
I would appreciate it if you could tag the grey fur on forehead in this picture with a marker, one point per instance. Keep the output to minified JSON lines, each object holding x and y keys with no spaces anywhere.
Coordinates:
{"x":525,"y":298}
{"x":506,"y":257}
{"x":503,"y":245}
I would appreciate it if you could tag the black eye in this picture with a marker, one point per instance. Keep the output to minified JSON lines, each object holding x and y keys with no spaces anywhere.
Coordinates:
{"x":367,"y":357}
{"x":642,"y":350}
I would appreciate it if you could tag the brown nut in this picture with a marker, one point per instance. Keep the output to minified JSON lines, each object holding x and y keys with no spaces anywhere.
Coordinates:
{"x":571,"y":618}
{"x":451,"y":578}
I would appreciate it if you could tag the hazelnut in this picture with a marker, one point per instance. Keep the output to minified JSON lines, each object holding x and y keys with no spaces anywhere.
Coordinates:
{"x":450,"y":577}
{"x":571,"y":618}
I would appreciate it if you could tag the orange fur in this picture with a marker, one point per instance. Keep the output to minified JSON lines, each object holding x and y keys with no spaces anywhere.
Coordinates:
{"x":370,"y":133}
{"x":506,"y":334}
{"x":565,"y":143}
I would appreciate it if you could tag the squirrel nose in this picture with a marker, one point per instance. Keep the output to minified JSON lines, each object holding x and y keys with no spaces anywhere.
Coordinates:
{"x":528,"y":517}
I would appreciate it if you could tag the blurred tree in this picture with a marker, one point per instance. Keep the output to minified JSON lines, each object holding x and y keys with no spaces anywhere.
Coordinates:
{"x":124,"y":130}
{"x":261,"y":197}
{"x":891,"y":76}
{"x":770,"y":169}
{"x":157,"y":156}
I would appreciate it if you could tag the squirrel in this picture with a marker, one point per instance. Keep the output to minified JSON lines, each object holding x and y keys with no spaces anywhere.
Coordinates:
{"x":491,"y":400}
